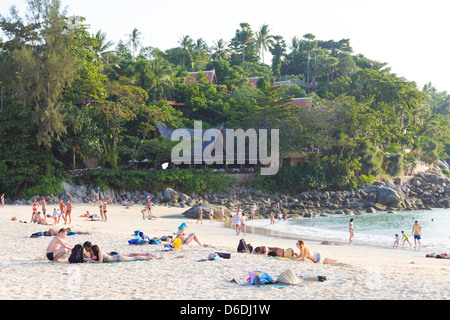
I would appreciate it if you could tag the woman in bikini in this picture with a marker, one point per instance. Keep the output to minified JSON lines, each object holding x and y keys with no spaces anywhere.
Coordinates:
{"x":306,"y":253}
{"x":99,"y":256}
{"x":34,"y":206}
{"x":186,"y":238}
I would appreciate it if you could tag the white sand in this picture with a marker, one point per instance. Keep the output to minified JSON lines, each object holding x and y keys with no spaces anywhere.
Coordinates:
{"x":361,"y":272}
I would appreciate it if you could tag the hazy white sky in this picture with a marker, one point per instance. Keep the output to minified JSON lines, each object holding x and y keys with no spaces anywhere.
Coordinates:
{"x":412,"y":36}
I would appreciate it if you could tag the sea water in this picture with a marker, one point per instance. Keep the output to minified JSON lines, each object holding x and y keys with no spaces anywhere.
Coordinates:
{"x":375,"y":229}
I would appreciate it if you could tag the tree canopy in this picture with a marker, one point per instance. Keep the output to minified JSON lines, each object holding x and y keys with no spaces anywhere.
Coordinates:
{"x":68,"y":95}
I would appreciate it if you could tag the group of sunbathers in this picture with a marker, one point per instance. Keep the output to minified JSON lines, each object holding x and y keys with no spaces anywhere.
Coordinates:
{"x":304,"y":254}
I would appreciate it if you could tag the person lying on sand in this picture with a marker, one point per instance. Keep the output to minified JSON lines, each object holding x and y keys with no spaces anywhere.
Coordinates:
{"x":274,"y":252}
{"x":53,"y":232}
{"x":99,"y":256}
{"x":186,"y":238}
{"x":305,"y":253}
{"x":57,"y":247}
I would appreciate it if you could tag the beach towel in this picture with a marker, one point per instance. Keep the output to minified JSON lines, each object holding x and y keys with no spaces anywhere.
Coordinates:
{"x":259,"y":278}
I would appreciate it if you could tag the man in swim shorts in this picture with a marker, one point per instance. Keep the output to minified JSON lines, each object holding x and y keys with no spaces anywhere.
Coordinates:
{"x":417,"y":232}
{"x":57,"y":247}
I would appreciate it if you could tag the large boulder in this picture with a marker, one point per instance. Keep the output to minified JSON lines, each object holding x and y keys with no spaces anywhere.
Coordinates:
{"x":386,"y":196}
{"x":170,"y":195}
{"x":193,"y":211}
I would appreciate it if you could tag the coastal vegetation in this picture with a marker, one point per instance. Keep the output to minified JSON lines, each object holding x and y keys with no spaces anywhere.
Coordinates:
{"x":69,"y":96}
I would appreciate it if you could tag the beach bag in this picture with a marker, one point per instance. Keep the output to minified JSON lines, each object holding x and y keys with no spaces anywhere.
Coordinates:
{"x":243,"y":247}
{"x":77,"y":254}
{"x":259,"y":278}
{"x":223,"y":255}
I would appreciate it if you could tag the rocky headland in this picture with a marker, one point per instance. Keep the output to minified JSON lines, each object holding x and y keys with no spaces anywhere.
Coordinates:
{"x":424,"y":190}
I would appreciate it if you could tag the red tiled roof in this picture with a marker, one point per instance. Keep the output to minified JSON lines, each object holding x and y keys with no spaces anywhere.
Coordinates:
{"x":210,"y":76}
{"x":254,"y":81}
{"x":304,"y":103}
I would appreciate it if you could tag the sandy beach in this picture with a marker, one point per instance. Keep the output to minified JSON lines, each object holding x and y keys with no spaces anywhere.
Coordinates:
{"x":361,"y":273}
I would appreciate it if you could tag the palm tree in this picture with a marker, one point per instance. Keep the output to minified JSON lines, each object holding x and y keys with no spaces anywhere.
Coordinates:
{"x":244,"y":36}
{"x":134,"y":40}
{"x":220,"y":51}
{"x":101,"y":53}
{"x":162,"y":78}
{"x":264,"y":39}
{"x":187,"y":44}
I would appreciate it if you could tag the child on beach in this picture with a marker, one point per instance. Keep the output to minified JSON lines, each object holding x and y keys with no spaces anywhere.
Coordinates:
{"x":243,"y":226}
{"x":55,"y":216}
{"x":396,"y":241}
{"x":237,"y":222}
{"x":405,"y":238}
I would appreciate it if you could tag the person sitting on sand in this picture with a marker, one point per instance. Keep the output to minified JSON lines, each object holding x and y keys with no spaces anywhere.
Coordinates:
{"x":99,"y":256}
{"x":57,"y":247}
{"x":274,"y":252}
{"x":186,"y":238}
{"x":37,"y":218}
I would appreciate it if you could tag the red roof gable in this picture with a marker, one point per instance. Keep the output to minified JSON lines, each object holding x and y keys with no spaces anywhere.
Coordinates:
{"x":210,"y":76}
{"x":254,"y":81}
{"x":304,"y":103}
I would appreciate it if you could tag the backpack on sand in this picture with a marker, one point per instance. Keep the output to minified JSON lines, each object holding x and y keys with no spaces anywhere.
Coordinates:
{"x":243,"y":247}
{"x":77,"y":254}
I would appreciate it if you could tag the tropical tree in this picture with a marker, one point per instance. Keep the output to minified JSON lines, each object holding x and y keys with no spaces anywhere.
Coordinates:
{"x":187,"y":45}
{"x":264,"y":40}
{"x":101,"y":48}
{"x":220,"y":51}
{"x":134,"y":40}
{"x":277,"y":49}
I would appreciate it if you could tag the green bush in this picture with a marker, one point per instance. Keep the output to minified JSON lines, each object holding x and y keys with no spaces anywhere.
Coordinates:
{"x":323,"y":174}
{"x":185,"y":180}
{"x":48,"y":185}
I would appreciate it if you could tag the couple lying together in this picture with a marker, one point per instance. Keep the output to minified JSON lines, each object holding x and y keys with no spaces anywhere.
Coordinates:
{"x":99,"y":256}
{"x":305,"y":253}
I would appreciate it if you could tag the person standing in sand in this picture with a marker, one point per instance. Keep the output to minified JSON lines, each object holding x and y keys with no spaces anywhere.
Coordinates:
{"x":417,"y":232}
{"x":200,"y":216}
{"x":34,"y":206}
{"x":351,"y":229}
{"x":105,"y":211}
{"x":69,"y":211}
{"x":57,"y":247}
{"x":100,"y":207}
{"x":222,"y":214}
{"x":243,"y":226}
{"x":272,"y":218}
{"x":3,"y":199}
{"x":211,"y":215}
{"x":44,"y":207}
{"x":62,"y":211}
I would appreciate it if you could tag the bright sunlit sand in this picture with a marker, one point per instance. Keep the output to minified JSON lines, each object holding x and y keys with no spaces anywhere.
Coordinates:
{"x":360,"y":272}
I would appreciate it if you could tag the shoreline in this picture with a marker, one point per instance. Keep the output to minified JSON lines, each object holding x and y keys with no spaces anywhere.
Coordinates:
{"x":361,"y":272}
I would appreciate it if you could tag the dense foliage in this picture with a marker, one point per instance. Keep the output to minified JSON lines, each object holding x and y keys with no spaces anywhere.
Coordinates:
{"x":68,"y":96}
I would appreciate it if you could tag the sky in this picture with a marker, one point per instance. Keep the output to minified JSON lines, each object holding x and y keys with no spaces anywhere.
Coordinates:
{"x":411,"y":36}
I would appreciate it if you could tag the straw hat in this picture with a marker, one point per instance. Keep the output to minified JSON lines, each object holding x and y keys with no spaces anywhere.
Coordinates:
{"x":288,"y":277}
